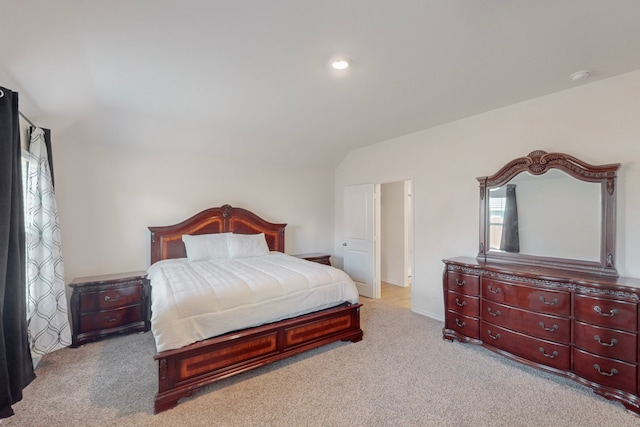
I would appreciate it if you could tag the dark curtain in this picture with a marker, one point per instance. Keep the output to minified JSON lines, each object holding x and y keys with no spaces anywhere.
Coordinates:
{"x":16,"y":367}
{"x":510,"y":238}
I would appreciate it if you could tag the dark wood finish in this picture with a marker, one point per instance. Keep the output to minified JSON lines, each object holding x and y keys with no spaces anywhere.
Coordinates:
{"x":463,"y":283}
{"x":606,"y":371}
{"x":542,"y":352}
{"x":463,"y":304}
{"x":166,"y":241}
{"x":607,"y":312}
{"x":537,"y":163}
{"x":320,"y":258}
{"x":103,"y":305}
{"x":463,"y":327}
{"x":547,"y":301}
{"x":539,"y":325}
{"x":606,"y":341}
{"x":183,"y":371}
{"x":585,"y":327}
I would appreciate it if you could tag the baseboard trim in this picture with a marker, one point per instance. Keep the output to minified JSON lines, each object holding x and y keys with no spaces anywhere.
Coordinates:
{"x":433,"y":316}
{"x":391,"y":282}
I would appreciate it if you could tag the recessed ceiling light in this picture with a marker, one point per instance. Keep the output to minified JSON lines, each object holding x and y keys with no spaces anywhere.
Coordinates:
{"x":340,"y":63}
{"x":580,"y":76}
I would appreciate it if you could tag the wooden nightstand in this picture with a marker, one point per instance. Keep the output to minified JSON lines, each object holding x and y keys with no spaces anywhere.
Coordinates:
{"x":316,"y":257}
{"x":103,"y":305}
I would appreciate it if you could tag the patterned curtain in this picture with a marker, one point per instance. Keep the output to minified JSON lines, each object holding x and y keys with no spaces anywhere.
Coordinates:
{"x":47,"y":302}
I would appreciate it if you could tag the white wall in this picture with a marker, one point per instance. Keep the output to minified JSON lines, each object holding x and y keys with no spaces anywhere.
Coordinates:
{"x":108,"y":194}
{"x":596,"y":122}
{"x":392,"y":233}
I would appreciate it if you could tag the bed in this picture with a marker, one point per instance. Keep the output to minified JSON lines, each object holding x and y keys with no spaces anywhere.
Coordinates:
{"x":185,"y":369}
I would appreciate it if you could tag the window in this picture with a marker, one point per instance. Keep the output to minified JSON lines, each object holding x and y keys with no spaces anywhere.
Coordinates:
{"x":496,"y":220}
{"x":25,"y":172}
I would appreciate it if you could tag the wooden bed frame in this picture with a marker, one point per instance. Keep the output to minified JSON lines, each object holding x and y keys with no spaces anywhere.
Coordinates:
{"x":183,"y":371}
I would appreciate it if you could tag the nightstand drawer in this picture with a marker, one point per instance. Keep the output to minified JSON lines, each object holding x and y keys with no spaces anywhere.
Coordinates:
{"x":114,"y":298}
{"x":110,"y":319}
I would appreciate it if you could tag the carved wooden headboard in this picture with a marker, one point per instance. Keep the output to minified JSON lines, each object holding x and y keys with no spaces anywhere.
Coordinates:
{"x":166,"y":241}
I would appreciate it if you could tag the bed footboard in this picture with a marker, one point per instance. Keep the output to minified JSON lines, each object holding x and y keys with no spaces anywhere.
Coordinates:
{"x":183,"y":371}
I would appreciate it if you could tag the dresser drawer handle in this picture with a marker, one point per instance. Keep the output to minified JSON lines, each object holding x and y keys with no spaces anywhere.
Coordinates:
{"x":493,"y":337}
{"x":550,"y":356}
{"x":460,"y":324}
{"x":551,"y":329}
{"x":112,"y":319}
{"x":552,"y":302}
{"x":613,"y":372}
{"x":493,"y":291}
{"x":107,"y":298}
{"x":460,"y":282}
{"x":493,"y":313}
{"x":611,"y":313}
{"x":611,"y":344}
{"x":460,"y":304}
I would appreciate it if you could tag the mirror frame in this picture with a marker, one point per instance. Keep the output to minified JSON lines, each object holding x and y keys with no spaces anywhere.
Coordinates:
{"x":537,"y":163}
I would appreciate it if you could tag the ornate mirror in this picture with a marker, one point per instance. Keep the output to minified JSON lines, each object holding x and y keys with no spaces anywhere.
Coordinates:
{"x":550,"y":209}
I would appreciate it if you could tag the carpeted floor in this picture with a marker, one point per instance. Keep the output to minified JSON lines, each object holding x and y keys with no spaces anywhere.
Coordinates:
{"x":401,"y":374}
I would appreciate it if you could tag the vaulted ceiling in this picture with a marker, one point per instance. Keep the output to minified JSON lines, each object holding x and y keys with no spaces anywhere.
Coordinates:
{"x":251,"y":77}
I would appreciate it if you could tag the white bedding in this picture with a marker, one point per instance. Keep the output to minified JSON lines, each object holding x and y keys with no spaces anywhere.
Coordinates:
{"x":192,"y":301}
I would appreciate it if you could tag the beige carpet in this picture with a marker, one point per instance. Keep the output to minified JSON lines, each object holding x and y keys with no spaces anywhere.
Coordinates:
{"x":401,"y":374}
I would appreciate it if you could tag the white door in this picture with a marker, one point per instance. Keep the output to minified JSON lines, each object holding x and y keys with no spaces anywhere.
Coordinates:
{"x":361,"y":208}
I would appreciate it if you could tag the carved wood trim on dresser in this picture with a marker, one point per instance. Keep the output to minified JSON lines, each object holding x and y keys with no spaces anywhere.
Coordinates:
{"x":579,"y":325}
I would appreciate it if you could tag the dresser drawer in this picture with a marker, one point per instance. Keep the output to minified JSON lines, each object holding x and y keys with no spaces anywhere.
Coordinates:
{"x":606,"y":342}
{"x":465,"y":325}
{"x":107,"y":299}
{"x":536,"y":350}
{"x":463,"y":283}
{"x":603,"y":370}
{"x":543,"y":326}
{"x":537,"y":299}
{"x":110,"y":319}
{"x":464,"y":304}
{"x":605,"y":312}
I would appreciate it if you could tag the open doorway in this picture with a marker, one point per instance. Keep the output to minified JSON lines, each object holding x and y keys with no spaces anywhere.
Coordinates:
{"x":396,"y":243}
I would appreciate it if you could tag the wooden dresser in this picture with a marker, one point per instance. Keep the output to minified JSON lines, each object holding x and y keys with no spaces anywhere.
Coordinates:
{"x":103,"y":305}
{"x":580,"y":325}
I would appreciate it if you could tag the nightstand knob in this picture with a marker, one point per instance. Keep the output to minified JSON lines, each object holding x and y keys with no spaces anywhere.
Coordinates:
{"x":107,"y":298}
{"x":112,"y":319}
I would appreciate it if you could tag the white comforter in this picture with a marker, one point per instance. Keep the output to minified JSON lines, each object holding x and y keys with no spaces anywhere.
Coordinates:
{"x":192,"y":301}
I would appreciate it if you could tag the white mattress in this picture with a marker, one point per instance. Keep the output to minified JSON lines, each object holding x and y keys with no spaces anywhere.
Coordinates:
{"x":192,"y":301}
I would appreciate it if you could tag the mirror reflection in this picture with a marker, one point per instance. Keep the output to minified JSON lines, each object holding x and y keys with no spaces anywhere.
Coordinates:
{"x":551,"y":215}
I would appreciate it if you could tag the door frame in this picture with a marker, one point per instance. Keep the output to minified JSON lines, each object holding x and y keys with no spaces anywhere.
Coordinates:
{"x":409,"y":218}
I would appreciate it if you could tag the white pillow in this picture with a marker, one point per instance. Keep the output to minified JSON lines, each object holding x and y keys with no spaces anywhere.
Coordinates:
{"x":247,"y":245}
{"x":202,"y":247}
